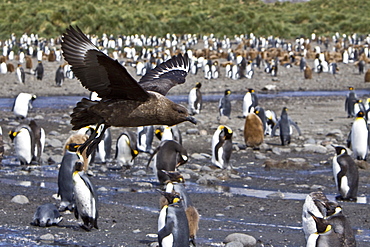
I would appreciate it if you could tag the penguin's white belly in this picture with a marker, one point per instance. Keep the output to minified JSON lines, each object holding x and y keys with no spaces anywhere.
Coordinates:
{"x":359,"y":138}
{"x":312,"y":239}
{"x":336,"y":170}
{"x":124,"y":156}
{"x":247,"y":102}
{"x":167,"y":241}
{"x":344,"y":186}
{"x":22,"y":144}
{"x":85,"y":201}
{"x":100,"y":152}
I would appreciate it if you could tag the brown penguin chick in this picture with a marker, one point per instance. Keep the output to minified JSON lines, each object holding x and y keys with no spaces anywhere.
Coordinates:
{"x":125,"y":102}
{"x":253,"y":130}
{"x":307,"y":72}
{"x":367,"y":76}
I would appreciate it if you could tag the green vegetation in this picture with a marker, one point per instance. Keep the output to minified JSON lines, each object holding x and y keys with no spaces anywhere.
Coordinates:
{"x":50,"y":18}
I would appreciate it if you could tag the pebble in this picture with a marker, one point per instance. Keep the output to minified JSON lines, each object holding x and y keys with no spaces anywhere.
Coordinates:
{"x":276,"y":195}
{"x":20,"y":199}
{"x":315,"y":148}
{"x":102,"y":189}
{"x":136,"y":231}
{"x":143,"y":184}
{"x":53,"y":142}
{"x":192,"y":131}
{"x":139,"y":173}
{"x":47,"y":237}
{"x":245,"y":239}
{"x":260,"y":156}
{"x":234,"y":244}
{"x":207,"y":179}
{"x":198,"y":156}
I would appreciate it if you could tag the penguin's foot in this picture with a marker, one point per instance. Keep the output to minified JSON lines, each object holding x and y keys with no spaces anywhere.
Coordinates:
{"x":86,"y":227}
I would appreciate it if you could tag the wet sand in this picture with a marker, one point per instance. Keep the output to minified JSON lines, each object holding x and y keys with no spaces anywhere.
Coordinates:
{"x":128,"y":200}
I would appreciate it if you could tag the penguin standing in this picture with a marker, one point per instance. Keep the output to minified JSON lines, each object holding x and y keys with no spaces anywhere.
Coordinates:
{"x":22,"y":103}
{"x":126,"y":149}
{"x":21,"y":76}
{"x":367,"y":76}
{"x":177,"y":185}
{"x":316,"y":203}
{"x":85,"y":197}
{"x":195,"y":99}
{"x":164,"y":133}
{"x":39,"y":139}
{"x":24,"y":144}
{"x":103,"y":151}
{"x":307,"y":73}
{"x":358,"y":138}
{"x":260,"y":112}
{"x":173,"y":227}
{"x":324,"y":236}
{"x":145,"y":136}
{"x":345,"y":173}
{"x":222,"y":147}
{"x":271,"y":121}
{"x":66,"y":169}
{"x":250,"y":101}
{"x":253,"y":131}
{"x":284,"y":124}
{"x":169,"y":155}
{"x":350,"y":102}
{"x":59,"y":76}
{"x":39,"y":71}
{"x":224,"y":105}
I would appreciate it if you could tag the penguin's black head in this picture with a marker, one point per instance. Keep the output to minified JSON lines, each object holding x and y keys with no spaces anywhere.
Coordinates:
{"x":322,"y":225}
{"x":171,"y":197}
{"x":340,"y":150}
{"x":12,"y":134}
{"x":360,"y":114}
{"x":174,"y":176}
{"x":72,"y":147}
{"x":198,"y":85}
{"x":79,"y":165}
{"x":228,"y":133}
{"x":227,"y":92}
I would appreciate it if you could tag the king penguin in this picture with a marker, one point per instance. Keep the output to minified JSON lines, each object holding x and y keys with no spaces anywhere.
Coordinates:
{"x":345,"y":173}
{"x":85,"y":197}
{"x":224,"y":105}
{"x":59,"y":76}
{"x":169,"y":155}
{"x":324,"y":235}
{"x":350,"y":102}
{"x":358,"y":138}
{"x":195,"y":99}
{"x":39,"y":71}
{"x":24,"y":144}
{"x":284,"y":124}
{"x":173,"y":227}
{"x":164,"y":133}
{"x":66,"y":169}
{"x":22,"y":103}
{"x":126,"y":149}
{"x":176,"y":184}
{"x":253,"y":130}
{"x":21,"y":76}
{"x":250,"y":101}
{"x":145,"y":135}
{"x":222,"y":147}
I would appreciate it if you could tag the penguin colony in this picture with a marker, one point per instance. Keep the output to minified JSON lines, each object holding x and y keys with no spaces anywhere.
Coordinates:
{"x":324,"y":225}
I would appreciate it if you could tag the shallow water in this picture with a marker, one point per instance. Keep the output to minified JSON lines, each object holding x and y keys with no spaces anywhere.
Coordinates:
{"x":59,"y":102}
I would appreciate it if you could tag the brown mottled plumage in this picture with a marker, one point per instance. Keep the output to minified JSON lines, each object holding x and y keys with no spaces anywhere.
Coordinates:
{"x":125,"y":102}
{"x":367,"y":76}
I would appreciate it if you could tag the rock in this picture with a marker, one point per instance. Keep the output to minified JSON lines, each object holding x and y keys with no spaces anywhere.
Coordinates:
{"x":102,"y":189}
{"x":207,"y":179}
{"x":20,"y":199}
{"x":203,"y":132}
{"x":47,"y":237}
{"x":143,"y":184}
{"x":139,"y":173}
{"x":136,"y":231}
{"x":234,"y":244}
{"x":362,"y":164}
{"x":192,"y":131}
{"x":335,"y":133}
{"x":290,"y":163}
{"x":276,"y":195}
{"x":223,"y":120}
{"x":244,"y":239}
{"x":198,"y":156}
{"x":54,"y":143}
{"x":315,"y":148}
{"x":276,"y":150}
{"x":260,"y":156}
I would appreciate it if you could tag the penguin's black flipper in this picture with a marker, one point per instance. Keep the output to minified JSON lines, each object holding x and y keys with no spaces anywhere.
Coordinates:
{"x":295,"y":126}
{"x":76,"y":213}
{"x":349,"y":139}
{"x":166,"y":230}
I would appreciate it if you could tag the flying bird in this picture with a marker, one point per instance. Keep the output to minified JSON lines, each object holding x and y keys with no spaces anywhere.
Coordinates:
{"x":125,"y":102}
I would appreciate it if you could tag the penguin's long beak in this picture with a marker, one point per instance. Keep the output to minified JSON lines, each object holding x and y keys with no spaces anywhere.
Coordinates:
{"x":191,"y":119}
